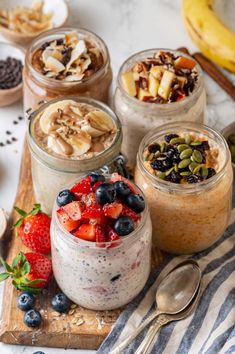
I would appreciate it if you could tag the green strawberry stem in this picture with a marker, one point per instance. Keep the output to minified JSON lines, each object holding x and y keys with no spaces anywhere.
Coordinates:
{"x":36,"y":209}
{"x":18,"y":271}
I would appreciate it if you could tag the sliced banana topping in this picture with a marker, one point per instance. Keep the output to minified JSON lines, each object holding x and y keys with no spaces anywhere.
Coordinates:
{"x":100,"y":120}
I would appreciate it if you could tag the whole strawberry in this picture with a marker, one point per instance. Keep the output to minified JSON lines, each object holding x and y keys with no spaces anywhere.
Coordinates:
{"x":29,"y":271}
{"x":34,"y":229}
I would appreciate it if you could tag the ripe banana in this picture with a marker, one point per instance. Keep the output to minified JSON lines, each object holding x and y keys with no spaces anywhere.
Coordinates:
{"x":215,"y":40}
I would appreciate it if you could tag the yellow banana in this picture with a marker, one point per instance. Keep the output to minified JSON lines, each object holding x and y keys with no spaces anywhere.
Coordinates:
{"x":214,"y":39}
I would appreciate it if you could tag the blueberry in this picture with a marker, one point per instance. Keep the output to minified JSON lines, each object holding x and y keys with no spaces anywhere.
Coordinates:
{"x":162,"y":165}
{"x":194,"y":179}
{"x":96,"y":177}
{"x":32,"y":318}
{"x":25,"y":301}
{"x":105,"y":193}
{"x":65,"y":197}
{"x":60,"y":303}
{"x":211,"y":172}
{"x":135,"y":202}
{"x":122,"y":189}
{"x":124,"y":225}
{"x":174,"y":177}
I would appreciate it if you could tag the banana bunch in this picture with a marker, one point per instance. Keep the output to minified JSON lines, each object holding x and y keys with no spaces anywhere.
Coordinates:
{"x":215,"y":40}
{"x":70,"y":130}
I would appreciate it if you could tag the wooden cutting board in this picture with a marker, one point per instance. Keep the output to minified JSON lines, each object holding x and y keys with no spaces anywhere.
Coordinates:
{"x":80,"y":328}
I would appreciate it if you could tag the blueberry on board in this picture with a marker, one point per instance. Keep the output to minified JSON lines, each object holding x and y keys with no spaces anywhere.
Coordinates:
{"x":96,"y":177}
{"x":25,"y":301}
{"x":60,"y":303}
{"x":122,"y":189}
{"x":65,"y":197}
{"x":124,"y":225}
{"x":105,"y":193}
{"x":32,"y":318}
{"x":135,"y":202}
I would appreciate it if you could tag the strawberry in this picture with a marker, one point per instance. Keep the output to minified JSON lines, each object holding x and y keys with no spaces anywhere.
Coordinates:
{"x":29,"y":271}
{"x":83,"y":186}
{"x":100,"y":236}
{"x":93,"y":214}
{"x":113,"y":210}
{"x":96,"y":185}
{"x":34,"y":229}
{"x":73,"y":210}
{"x":68,"y":223}
{"x":86,"y":232}
{"x":128,"y":212}
{"x":113,"y":238}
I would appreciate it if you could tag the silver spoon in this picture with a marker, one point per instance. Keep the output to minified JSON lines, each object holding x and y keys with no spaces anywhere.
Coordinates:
{"x":174,"y":294}
{"x":147,"y":344}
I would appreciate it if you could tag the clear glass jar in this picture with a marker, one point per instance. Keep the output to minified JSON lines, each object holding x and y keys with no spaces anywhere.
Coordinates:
{"x":187,"y":218}
{"x":39,"y":88}
{"x":51,"y":173}
{"x":138,"y":117}
{"x":102,"y":278}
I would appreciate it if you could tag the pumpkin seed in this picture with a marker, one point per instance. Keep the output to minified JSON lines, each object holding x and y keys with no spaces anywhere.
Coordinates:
{"x":169,"y":171}
{"x":182,"y":147}
{"x":185,"y":173}
{"x":192,"y":166}
{"x":204,"y":172}
{"x":150,"y":157}
{"x":176,"y":168}
{"x":196,"y":156}
{"x":184,"y":163}
{"x":161,"y":158}
{"x":197,"y":169}
{"x":186,"y":154}
{"x":188,"y":139}
{"x":161,"y":175}
{"x":196,"y":143}
{"x":177,"y":141}
{"x":157,"y":154}
{"x":162,"y":146}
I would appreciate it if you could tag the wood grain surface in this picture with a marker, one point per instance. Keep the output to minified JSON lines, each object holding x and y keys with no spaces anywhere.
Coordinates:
{"x":80,"y":328}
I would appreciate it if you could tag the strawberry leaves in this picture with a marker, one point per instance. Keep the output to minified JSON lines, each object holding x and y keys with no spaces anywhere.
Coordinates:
{"x":36,"y":209}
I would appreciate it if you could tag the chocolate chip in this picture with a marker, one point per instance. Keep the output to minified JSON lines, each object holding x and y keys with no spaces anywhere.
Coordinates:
{"x":1,"y":144}
{"x":10,"y":73}
{"x":116,"y":277}
{"x":8,"y":132}
{"x":20,"y":118}
{"x":13,"y":139}
{"x":8,"y":142}
{"x":15,"y":122}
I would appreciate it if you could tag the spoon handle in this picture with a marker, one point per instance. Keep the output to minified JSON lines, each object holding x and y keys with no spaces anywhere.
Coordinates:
{"x":119,"y":349}
{"x":146,"y":345}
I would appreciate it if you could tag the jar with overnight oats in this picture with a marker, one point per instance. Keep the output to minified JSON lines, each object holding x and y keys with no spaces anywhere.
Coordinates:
{"x":101,"y":248}
{"x":155,"y":87}
{"x":65,"y":62}
{"x":185,"y":172}
{"x":68,"y":138}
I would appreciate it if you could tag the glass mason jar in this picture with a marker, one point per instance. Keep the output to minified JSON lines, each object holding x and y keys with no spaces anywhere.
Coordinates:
{"x":51,"y":173}
{"x":187,"y":218}
{"x":102,"y":278}
{"x":38,"y":87}
{"x":138,"y":117}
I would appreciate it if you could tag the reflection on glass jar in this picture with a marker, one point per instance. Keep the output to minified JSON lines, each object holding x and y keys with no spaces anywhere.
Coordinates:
{"x":187,"y":218}
{"x":40,"y":86}
{"x":102,"y":278}
{"x":51,"y":171}
{"x":138,"y":116}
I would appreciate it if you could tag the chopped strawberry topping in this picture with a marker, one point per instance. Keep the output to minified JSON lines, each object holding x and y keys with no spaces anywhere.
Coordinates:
{"x":93,"y":214}
{"x":74,"y":210}
{"x":66,"y":221}
{"x":128,"y":212}
{"x":84,"y":186}
{"x":86,"y":232}
{"x":100,"y":236}
{"x":113,"y":210}
{"x":113,"y":238}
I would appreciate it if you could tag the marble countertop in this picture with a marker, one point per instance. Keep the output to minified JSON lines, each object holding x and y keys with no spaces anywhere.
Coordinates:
{"x":127,"y":26}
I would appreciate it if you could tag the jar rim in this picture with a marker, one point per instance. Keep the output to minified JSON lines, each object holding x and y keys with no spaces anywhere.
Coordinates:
{"x":174,"y":187}
{"x":80,"y":99}
{"x":92,"y":245}
{"x":167,"y":106}
{"x":61,"y":31}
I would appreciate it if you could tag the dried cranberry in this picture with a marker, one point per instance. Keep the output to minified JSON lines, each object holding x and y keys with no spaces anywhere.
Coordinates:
{"x":162,"y":165}
{"x":170,"y":136}
{"x":194,"y":179}
{"x":174,"y":177}
{"x":152,"y":148}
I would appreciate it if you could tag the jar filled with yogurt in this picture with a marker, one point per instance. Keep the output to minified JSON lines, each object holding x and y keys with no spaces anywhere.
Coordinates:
{"x":64,"y":62}
{"x":155,"y":87}
{"x":68,"y":138}
{"x":185,"y":172}
{"x":101,"y":241}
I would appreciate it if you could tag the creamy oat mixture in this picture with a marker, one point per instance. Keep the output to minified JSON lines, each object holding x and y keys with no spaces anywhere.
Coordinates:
{"x":68,"y":58}
{"x":74,"y":130}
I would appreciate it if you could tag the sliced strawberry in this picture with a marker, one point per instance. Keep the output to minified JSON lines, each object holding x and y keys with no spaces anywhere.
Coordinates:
{"x":93,"y":214}
{"x":83,"y":186}
{"x":86,"y":232}
{"x":116,"y":177}
{"x":181,"y":96}
{"x":66,"y":221}
{"x":128,"y":212}
{"x":96,"y":185}
{"x":74,"y":210}
{"x":113,"y":238}
{"x":100,"y":236}
{"x":113,"y":210}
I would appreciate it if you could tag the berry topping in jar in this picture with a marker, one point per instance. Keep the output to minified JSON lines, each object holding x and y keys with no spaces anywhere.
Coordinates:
{"x":101,"y":210}
{"x":166,"y":77}
{"x":181,"y":158}
{"x":74,"y":130}
{"x":68,"y":58}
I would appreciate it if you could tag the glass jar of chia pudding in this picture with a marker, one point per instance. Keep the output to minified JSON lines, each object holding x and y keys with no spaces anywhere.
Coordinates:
{"x":66,"y":141}
{"x":151,"y":91}
{"x":102,"y":277}
{"x":188,"y":185}
{"x":65,"y":62}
